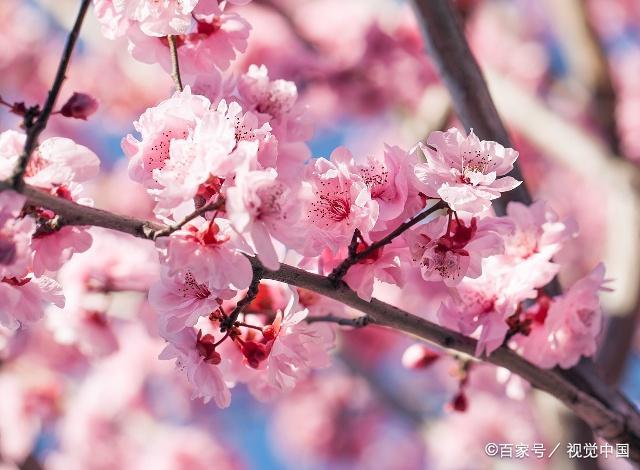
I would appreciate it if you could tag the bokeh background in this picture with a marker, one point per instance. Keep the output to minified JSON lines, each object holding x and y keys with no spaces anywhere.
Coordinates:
{"x":565,"y":75}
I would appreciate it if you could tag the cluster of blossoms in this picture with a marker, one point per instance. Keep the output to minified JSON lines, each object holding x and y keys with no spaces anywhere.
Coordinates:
{"x":228,"y":168}
{"x":208,"y":36}
{"x":32,"y":244}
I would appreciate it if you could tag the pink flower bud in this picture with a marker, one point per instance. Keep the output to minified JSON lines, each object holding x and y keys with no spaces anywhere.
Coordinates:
{"x":79,"y":106}
{"x":418,"y":356}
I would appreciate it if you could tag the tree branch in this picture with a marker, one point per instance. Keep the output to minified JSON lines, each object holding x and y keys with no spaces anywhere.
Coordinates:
{"x":34,"y":129}
{"x":358,"y":322}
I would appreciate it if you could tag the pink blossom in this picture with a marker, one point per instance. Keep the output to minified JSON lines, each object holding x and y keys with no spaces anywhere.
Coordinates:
{"x":296,"y":348}
{"x":180,"y":302}
{"x":60,"y":162}
{"x":155,"y":18}
{"x":274,"y":98}
{"x":463,"y":170}
{"x":340,"y":203}
{"x":110,"y":14}
{"x":210,"y":250}
{"x":449,"y":250}
{"x":567,"y":327}
{"x":388,"y":181}
{"x":276,"y":101}
{"x":15,"y":236}
{"x":57,"y":165}
{"x":262,"y":206}
{"x":205,"y":377}
{"x":172,"y":119}
{"x":90,"y":331}
{"x":538,"y":231}
{"x":211,"y":45}
{"x":57,"y":161}
{"x":22,"y":301}
{"x":52,"y":250}
{"x":210,"y":152}
{"x":483,"y":305}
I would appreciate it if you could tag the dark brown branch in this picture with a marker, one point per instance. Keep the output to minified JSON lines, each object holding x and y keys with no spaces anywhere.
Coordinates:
{"x":355,"y":257}
{"x":70,"y":213}
{"x":35,"y":128}
{"x":447,"y":46}
{"x":175,"y":63}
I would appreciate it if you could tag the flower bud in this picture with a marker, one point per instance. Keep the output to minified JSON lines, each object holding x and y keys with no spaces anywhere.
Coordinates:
{"x":79,"y":106}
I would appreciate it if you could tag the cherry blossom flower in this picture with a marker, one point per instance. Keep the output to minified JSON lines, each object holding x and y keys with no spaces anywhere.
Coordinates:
{"x":388,"y":180}
{"x":153,"y":18}
{"x":274,"y":98}
{"x":56,"y":162}
{"x":58,"y":165}
{"x":262,"y":206}
{"x":339,"y":204}
{"x":539,"y":233}
{"x":292,"y":349}
{"x":449,"y":250}
{"x":52,"y":250}
{"x":211,"y":45}
{"x":463,"y":170}
{"x":181,"y":302}
{"x":23,"y":300}
{"x":565,"y":328}
{"x":209,"y":250}
{"x":172,"y":119}
{"x":484,"y":304}
{"x":276,"y":102}
{"x":198,"y":162}
{"x":190,"y":351}
{"x":15,"y":236}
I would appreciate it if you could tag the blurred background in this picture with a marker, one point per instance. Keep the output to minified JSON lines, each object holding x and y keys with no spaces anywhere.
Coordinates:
{"x":565,"y":76}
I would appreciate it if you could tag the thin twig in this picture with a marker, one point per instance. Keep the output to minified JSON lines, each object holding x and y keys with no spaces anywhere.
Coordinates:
{"x":35,"y":128}
{"x":249,"y":297}
{"x":355,"y":257}
{"x":168,"y":230}
{"x":175,"y":63}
